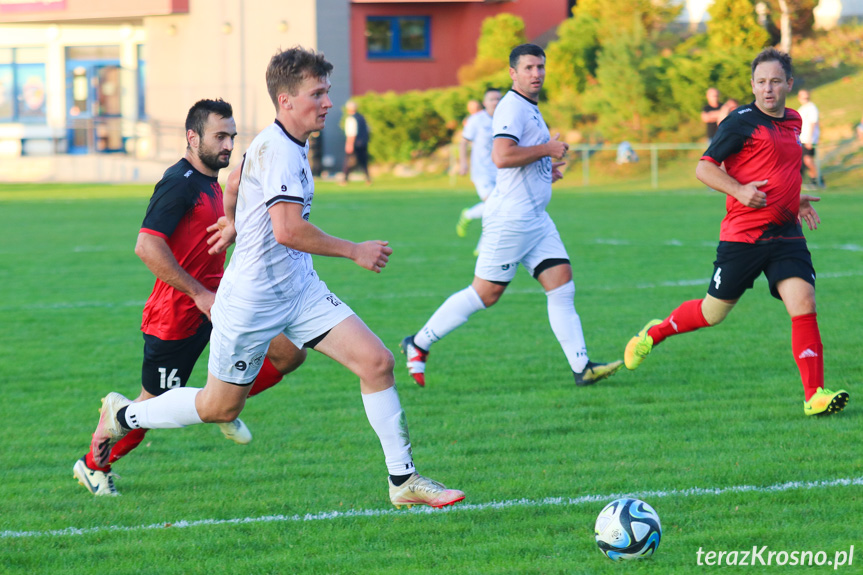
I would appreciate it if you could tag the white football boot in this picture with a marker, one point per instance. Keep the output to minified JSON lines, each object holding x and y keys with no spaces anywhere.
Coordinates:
{"x":236,"y":431}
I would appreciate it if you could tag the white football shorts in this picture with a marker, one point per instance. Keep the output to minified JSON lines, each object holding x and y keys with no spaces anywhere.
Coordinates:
{"x":242,"y":330}
{"x":506,"y":243}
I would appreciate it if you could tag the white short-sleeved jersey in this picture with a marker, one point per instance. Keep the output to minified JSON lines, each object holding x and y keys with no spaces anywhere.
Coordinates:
{"x":275,"y":169}
{"x":523,"y":192}
{"x":478,"y":132}
{"x":809,"y":133}
{"x":351,"y":128}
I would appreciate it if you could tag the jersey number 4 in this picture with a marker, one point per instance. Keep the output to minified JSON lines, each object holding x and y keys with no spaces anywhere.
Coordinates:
{"x":168,"y":381}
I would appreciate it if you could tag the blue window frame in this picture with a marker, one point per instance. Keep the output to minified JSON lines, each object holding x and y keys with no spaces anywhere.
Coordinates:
{"x":400,"y":37}
{"x":22,"y":85}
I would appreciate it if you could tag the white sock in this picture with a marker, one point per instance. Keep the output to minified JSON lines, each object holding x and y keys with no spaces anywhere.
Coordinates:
{"x":566,"y":325}
{"x":172,"y":409}
{"x":387,"y":418}
{"x":454,"y":312}
{"x":475,"y":212}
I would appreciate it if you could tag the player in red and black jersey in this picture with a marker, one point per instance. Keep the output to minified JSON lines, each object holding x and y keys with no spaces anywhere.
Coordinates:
{"x":755,"y":160}
{"x":186,"y":216}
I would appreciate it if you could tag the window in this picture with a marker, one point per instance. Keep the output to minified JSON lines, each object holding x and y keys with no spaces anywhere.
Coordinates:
{"x":22,"y":85}
{"x":398,"y":37}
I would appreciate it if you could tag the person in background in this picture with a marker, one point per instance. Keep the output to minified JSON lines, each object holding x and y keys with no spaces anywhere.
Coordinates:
{"x":729,"y":106}
{"x":518,"y":230}
{"x":356,"y":142}
{"x":710,"y":112}
{"x":810,"y":133}
{"x":483,"y":173}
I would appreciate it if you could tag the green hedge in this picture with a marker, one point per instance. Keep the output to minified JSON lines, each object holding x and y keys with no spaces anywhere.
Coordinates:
{"x":414,"y":124}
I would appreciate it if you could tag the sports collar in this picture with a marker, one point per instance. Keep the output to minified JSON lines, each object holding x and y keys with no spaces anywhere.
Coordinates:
{"x":288,"y":134}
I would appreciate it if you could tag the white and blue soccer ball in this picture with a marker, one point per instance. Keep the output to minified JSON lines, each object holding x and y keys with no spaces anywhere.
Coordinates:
{"x":627,"y":529}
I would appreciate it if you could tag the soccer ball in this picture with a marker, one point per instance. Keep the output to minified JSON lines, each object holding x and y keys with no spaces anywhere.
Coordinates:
{"x":627,"y":529}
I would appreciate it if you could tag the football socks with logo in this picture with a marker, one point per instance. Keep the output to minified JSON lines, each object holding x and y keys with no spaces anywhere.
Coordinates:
{"x":174,"y":408}
{"x":385,"y":414}
{"x":566,"y":325}
{"x":453,"y":313}
{"x":808,"y":352}
{"x":687,"y":317}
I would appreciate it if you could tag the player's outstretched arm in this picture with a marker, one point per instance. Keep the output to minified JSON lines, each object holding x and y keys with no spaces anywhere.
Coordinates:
{"x":807,"y":212}
{"x":291,"y":230}
{"x":715,"y":177}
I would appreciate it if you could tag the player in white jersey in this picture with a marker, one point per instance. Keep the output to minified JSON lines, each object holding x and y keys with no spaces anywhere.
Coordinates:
{"x":483,"y":173}
{"x":270,"y":287}
{"x":810,"y":131}
{"x":516,"y":229}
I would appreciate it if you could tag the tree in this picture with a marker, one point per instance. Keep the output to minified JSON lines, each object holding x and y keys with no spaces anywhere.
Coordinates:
{"x":625,"y":81}
{"x":733,"y":24}
{"x":800,"y":13}
{"x":572,"y":58}
{"x":609,"y":58}
{"x":498,"y":36}
{"x":571,"y":65}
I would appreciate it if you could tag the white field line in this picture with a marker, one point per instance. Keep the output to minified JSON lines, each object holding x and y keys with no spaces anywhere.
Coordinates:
{"x":458,"y":508}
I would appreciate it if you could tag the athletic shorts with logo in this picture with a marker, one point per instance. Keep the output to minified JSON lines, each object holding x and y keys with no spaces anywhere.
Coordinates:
{"x":739,"y":264}
{"x":243,"y":329}
{"x":169,"y":363}
{"x":508,"y":243}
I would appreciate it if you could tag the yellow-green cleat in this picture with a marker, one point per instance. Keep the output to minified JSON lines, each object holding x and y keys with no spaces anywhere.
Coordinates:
{"x":826,"y":402}
{"x":639,"y":346}
{"x":463,"y":222}
{"x":594,"y":372}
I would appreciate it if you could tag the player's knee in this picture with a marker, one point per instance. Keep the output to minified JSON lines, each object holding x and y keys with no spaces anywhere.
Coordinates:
{"x":219,"y":411}
{"x":490,"y":299}
{"x":378,"y":364}
{"x":222,"y":415}
{"x":288,"y":363}
{"x":386,"y":362}
{"x":491,"y":294}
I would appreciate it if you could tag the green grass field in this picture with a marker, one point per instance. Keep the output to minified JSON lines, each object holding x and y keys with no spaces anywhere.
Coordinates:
{"x":707,"y":415}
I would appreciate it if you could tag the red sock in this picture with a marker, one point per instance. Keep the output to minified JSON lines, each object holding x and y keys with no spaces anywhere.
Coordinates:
{"x":88,"y":460}
{"x":808,"y":352}
{"x":267,"y":378}
{"x":687,"y":317}
{"x":129,"y":442}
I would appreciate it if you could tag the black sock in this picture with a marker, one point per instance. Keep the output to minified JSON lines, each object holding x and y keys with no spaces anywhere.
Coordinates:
{"x":121,"y":417}
{"x":400,"y":479}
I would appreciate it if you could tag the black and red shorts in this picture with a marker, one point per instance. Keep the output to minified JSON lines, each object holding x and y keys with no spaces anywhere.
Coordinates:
{"x":169,"y":363}
{"x":739,"y":264}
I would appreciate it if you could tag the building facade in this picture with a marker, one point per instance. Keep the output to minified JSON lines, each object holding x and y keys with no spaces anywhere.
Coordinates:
{"x":107,"y":77}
